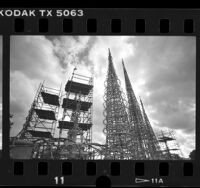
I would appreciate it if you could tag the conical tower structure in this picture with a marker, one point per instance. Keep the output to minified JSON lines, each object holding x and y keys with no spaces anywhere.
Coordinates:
{"x":136,"y":120}
{"x":143,"y":136}
{"x":154,"y":146}
{"x":116,"y":118}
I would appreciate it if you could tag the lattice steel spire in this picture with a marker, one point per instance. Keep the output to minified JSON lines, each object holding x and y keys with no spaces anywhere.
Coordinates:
{"x":116,"y":118}
{"x":147,"y":143}
{"x":153,"y":144}
{"x":136,"y":119}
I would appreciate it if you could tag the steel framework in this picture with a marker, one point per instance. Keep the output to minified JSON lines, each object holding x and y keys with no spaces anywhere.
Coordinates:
{"x":76,"y":123}
{"x":154,"y":147}
{"x":144,"y":142}
{"x":41,"y":121}
{"x":168,"y":145}
{"x":116,"y":118}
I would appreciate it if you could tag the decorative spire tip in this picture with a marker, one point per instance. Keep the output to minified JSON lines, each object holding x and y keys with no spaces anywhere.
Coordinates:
{"x":123,"y":63}
{"x":109,"y":53}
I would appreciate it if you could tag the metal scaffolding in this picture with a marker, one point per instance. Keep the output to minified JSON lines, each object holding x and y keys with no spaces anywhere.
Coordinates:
{"x":76,"y":123}
{"x":116,"y":118}
{"x":169,"y":145}
{"x":40,"y":124}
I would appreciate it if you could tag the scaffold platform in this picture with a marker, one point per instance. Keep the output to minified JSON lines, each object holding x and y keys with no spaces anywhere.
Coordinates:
{"x":70,"y":125}
{"x":71,"y":104}
{"x":45,"y":114}
{"x":76,"y":87}
{"x":40,"y":134}
{"x":50,"y":98}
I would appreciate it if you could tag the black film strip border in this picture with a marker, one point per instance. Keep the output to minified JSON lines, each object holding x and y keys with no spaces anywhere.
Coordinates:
{"x":100,"y":22}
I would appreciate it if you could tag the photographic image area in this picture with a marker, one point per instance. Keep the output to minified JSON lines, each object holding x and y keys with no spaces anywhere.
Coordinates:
{"x":102,"y":97}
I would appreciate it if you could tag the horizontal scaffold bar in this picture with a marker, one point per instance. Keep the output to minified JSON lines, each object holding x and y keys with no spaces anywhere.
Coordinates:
{"x":82,"y":75}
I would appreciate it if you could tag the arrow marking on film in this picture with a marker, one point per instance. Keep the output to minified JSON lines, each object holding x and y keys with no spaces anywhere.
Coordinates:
{"x":139,"y":180}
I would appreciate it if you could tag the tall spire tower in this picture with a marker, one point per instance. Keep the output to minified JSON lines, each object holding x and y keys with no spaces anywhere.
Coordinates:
{"x":136,"y":119}
{"x":116,"y":118}
{"x":143,"y":136}
{"x":154,"y":146}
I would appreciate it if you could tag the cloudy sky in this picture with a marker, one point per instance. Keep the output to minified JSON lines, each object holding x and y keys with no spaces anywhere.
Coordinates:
{"x":0,"y":92}
{"x":161,"y":69}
